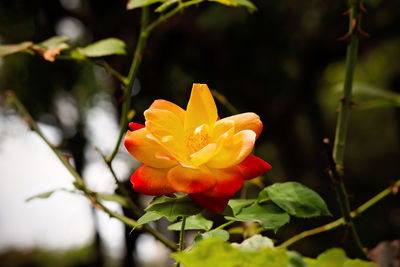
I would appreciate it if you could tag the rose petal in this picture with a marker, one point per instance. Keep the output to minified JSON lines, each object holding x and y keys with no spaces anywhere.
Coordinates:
{"x":229,"y":181}
{"x":253,"y":166}
{"x":144,"y":148}
{"x":233,"y":151}
{"x":211,"y":203}
{"x":204,"y":154}
{"x":151,"y":181}
{"x":164,"y":104}
{"x":135,"y":126}
{"x":201,"y":108}
{"x":246,"y":121}
{"x":190,"y":180}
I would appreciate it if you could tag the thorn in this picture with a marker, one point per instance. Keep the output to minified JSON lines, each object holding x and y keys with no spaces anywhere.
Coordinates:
{"x":362,"y":8}
{"x":337,"y":110}
{"x":326,"y":141}
{"x":345,"y":37}
{"x":362,"y":33}
{"x":327,"y":169}
{"x":342,"y":99}
{"x":350,"y":196}
{"x":121,"y":98}
{"x":347,"y":12}
{"x":353,"y":25}
{"x":395,"y":188}
{"x":352,"y":103}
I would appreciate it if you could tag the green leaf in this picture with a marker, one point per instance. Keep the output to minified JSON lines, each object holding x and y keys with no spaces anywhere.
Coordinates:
{"x":235,"y":3}
{"x":222,"y":234}
{"x":113,"y":197}
{"x":268,"y":215}
{"x":173,"y":207}
{"x":216,"y":252}
{"x":53,"y":42}
{"x":195,"y":222}
{"x":295,"y":260}
{"x":14,"y":48}
{"x":147,"y":217}
{"x":238,"y":204}
{"x":140,"y":3}
{"x":297,"y":200}
{"x":41,"y":195}
{"x":254,"y":243}
{"x":105,"y":47}
{"x":336,"y":257}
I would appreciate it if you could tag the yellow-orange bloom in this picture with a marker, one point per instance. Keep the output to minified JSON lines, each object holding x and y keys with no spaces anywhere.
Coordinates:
{"x":193,"y":151}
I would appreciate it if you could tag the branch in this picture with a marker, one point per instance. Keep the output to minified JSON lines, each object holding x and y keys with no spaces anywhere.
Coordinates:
{"x":79,"y":183}
{"x":332,"y":225}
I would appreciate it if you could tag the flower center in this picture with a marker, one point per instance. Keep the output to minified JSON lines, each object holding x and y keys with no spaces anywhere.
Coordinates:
{"x":197,"y":139}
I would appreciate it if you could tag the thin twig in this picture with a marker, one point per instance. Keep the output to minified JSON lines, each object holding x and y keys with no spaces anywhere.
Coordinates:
{"x":341,"y":221}
{"x":137,"y":58}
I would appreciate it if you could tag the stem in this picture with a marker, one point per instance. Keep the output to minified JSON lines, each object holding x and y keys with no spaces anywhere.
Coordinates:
{"x":110,"y":70}
{"x":342,"y":122}
{"x":79,"y":183}
{"x":136,"y":210}
{"x":341,"y":221}
{"x":137,"y":58}
{"x":163,"y":18}
{"x":222,"y":226}
{"x":181,"y":237}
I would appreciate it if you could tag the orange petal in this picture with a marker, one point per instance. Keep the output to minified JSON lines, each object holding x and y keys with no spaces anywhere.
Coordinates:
{"x":151,"y":181}
{"x":168,"y":129}
{"x":233,"y":151}
{"x":201,"y":108}
{"x":145,"y":149}
{"x":190,"y":180}
{"x":246,"y":121}
{"x":164,"y":104}
{"x":211,"y":203}
{"x":253,"y":166}
{"x":204,"y":154}
{"x":229,"y":181}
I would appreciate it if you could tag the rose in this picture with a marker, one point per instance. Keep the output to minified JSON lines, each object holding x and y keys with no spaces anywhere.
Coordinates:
{"x":193,"y":151}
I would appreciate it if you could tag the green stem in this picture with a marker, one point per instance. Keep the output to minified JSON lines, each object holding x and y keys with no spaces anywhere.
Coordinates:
{"x":181,"y":237}
{"x":163,"y":17}
{"x":341,"y":221}
{"x":222,"y":226}
{"x":342,"y":122}
{"x":110,"y":70}
{"x":137,"y":58}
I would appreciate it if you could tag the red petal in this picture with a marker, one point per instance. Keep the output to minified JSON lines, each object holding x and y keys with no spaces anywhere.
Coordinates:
{"x":253,"y":166}
{"x":189,"y":180}
{"x":135,"y":126}
{"x":151,"y":181}
{"x":214,"y":204}
{"x":229,"y":181}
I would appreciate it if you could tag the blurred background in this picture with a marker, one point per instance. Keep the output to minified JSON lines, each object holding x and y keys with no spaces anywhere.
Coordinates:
{"x":283,"y":62}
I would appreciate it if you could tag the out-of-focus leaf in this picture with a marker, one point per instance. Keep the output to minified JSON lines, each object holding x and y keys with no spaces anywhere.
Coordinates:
{"x":196,"y":222}
{"x":51,"y":47}
{"x":214,"y":252}
{"x":14,"y":48}
{"x":336,"y":257}
{"x":235,"y":3}
{"x":254,"y":243}
{"x":238,"y":204}
{"x":41,"y":195}
{"x":147,"y":217}
{"x":105,"y":47}
{"x":113,"y":197}
{"x":368,"y":96}
{"x":173,"y":207}
{"x":268,"y":215}
{"x":222,"y":234}
{"x":297,"y":199}
{"x":140,"y":3}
